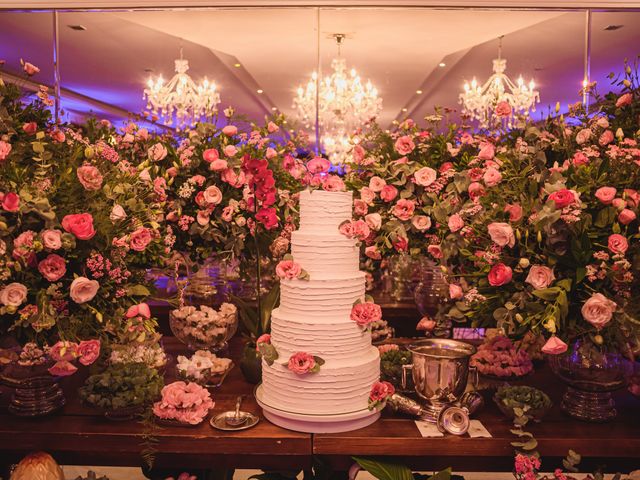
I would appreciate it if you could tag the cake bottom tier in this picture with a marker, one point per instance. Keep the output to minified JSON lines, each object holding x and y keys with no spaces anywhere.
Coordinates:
{"x":339,"y":387}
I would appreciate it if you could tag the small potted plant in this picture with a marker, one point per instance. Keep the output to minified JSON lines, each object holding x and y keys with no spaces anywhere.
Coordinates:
{"x":122,"y":390}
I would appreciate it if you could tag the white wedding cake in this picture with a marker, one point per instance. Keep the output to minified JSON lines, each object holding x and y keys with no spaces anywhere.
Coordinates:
{"x":314,"y":317}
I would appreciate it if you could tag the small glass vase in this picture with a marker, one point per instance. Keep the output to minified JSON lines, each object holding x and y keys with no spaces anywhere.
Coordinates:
{"x":591,"y":373}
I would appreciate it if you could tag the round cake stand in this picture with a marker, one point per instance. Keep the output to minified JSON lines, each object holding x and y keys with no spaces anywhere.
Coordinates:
{"x":306,"y":423}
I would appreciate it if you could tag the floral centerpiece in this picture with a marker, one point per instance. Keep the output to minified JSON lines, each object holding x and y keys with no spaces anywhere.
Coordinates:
{"x":203,"y":327}
{"x":184,"y":403}
{"x":204,"y":368}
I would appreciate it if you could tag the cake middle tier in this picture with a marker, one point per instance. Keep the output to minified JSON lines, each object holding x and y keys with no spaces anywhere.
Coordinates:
{"x":322,"y":296}
{"x":326,"y":252}
{"x":328,"y":337}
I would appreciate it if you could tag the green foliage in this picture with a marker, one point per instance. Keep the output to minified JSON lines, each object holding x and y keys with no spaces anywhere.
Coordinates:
{"x":254,"y":322}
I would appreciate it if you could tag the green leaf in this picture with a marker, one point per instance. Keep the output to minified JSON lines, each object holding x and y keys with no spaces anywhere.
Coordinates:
{"x":548,"y":294}
{"x":138,"y":291}
{"x":386,"y":471}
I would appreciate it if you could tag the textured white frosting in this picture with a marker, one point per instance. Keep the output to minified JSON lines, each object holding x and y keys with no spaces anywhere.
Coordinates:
{"x":314,"y":317}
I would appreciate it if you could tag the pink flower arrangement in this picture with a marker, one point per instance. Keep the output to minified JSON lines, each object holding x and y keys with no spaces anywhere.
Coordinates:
{"x":187,"y":403}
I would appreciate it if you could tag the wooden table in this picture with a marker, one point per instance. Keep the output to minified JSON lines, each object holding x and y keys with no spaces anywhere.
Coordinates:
{"x":79,"y":435}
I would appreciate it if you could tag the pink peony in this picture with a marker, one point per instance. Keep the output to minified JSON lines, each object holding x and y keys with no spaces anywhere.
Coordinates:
{"x":404,"y":145}
{"x":500,"y":274}
{"x":380,"y":391}
{"x":514,"y":210}
{"x":212,"y":195}
{"x":617,"y":244}
{"x":606,"y":194}
{"x":82,"y":290}
{"x":157,"y":152}
{"x":63,"y":369}
{"x":53,"y":267}
{"x":388,"y":193}
{"x":13,"y":294}
{"x":598,"y":310}
{"x":455,"y":222}
{"x":425,"y":176}
{"x":554,"y":346}
{"x":64,"y":351}
{"x":230,"y":130}
{"x":421,"y":222}
{"x":52,"y":239}
{"x":487,"y":151}
{"x":139,"y":310}
{"x":90,"y":177}
{"x":376,"y":184}
{"x":455,"y":291}
{"x":372,"y":252}
{"x":492,"y":177}
{"x":210,"y":155}
{"x":501,"y":234}
{"x":288,"y":269}
{"x":365,"y":313}
{"x":318,"y":165}
{"x":583,"y":136}
{"x":5,"y":150}
{"x":403,"y":209}
{"x":139,"y":239}
{"x":80,"y":225}
{"x":88,"y":351}
{"x":540,"y":277}
{"x":503,"y":109}
{"x":624,"y":100}
{"x":563,"y":198}
{"x":30,"y":128}
{"x":301,"y":363}
{"x":11,"y":202}
{"x":626,"y":216}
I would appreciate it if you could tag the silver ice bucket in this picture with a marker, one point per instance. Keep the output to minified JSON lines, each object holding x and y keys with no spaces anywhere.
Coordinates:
{"x":440,"y":370}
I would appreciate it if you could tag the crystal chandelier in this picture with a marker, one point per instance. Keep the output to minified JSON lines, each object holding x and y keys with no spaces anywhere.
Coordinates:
{"x":181,"y":97}
{"x":499,"y":100}
{"x":344,"y":104}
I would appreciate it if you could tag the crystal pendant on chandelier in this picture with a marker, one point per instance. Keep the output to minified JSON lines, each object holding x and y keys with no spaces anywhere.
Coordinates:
{"x":181,"y":97}
{"x":344,"y":104}
{"x":499,"y":101}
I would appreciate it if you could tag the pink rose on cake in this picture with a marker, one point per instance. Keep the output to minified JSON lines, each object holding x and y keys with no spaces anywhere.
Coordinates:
{"x":301,"y":363}
{"x":264,"y":338}
{"x":380,"y":393}
{"x":288,"y":269}
{"x":365,"y":313}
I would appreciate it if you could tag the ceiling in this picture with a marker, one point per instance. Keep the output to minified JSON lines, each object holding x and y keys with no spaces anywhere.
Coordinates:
{"x":276,"y":49}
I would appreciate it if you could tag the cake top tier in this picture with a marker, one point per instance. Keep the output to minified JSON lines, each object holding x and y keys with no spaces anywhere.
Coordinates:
{"x":323,"y":211}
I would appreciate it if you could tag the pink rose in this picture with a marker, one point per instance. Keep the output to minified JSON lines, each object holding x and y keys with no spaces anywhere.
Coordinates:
{"x":13,"y":294}
{"x":435,"y":251}
{"x":264,"y":338}
{"x":401,"y":243}
{"x":632,"y":196}
{"x":64,"y":351}
{"x":372,"y":252}
{"x":455,"y":291}
{"x":606,"y":194}
{"x":30,"y":69}
{"x":388,"y":347}
{"x":366,"y":313}
{"x":540,"y":277}
{"x":374,"y":220}
{"x":624,"y":100}
{"x":82,"y":290}
{"x":5,"y":150}
{"x":80,"y":225}
{"x":501,"y":234}
{"x":404,"y":145}
{"x":22,"y":245}
{"x":117,"y":213}
{"x":333,"y":183}
{"x":388,"y":193}
{"x":172,"y":172}
{"x":139,"y":310}
{"x":380,"y":391}
{"x":403,"y":209}
{"x":63,"y":369}
{"x":318,"y":165}
{"x":11,"y":202}
{"x":500,"y":274}
{"x":618,"y":203}
{"x":142,"y":134}
{"x":212,"y":195}
{"x":579,"y":158}
{"x":476,"y":190}
{"x":198,"y":180}
{"x":503,"y":109}
{"x":157,"y":152}
{"x":358,"y":153}
{"x":218,"y":165}
{"x":88,"y":351}
{"x":272,"y":127}
{"x":425,"y":176}
{"x":606,"y":138}
{"x":376,"y":184}
{"x":57,"y":135}
{"x":617,"y":244}
{"x":227,"y":213}
{"x":492,"y":177}
{"x":421,"y":222}
{"x":554,"y":346}
{"x":360,"y":207}
{"x":626,"y":216}
{"x":210,"y":155}
{"x":30,"y":128}
{"x":230,"y":130}
{"x":145,"y":176}
{"x":139,"y":239}
{"x":487,"y":151}
{"x":271,"y":153}
{"x":598,"y":310}
{"x":203,"y":217}
{"x":583,"y":136}
{"x":426,"y":324}
{"x":367,"y":195}
{"x":514,"y":210}
{"x":288,"y":269}
{"x":90,"y":177}
{"x":301,"y":363}
{"x":53,"y":267}
{"x":52,"y":239}
{"x":563,"y":198}
{"x":455,"y":222}
{"x":230,"y":150}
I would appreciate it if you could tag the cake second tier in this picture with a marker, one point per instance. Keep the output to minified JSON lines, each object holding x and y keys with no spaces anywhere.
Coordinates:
{"x":325,"y":254}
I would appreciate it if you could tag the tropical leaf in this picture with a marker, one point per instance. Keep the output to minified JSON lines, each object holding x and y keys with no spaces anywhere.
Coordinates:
{"x":385,"y":470}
